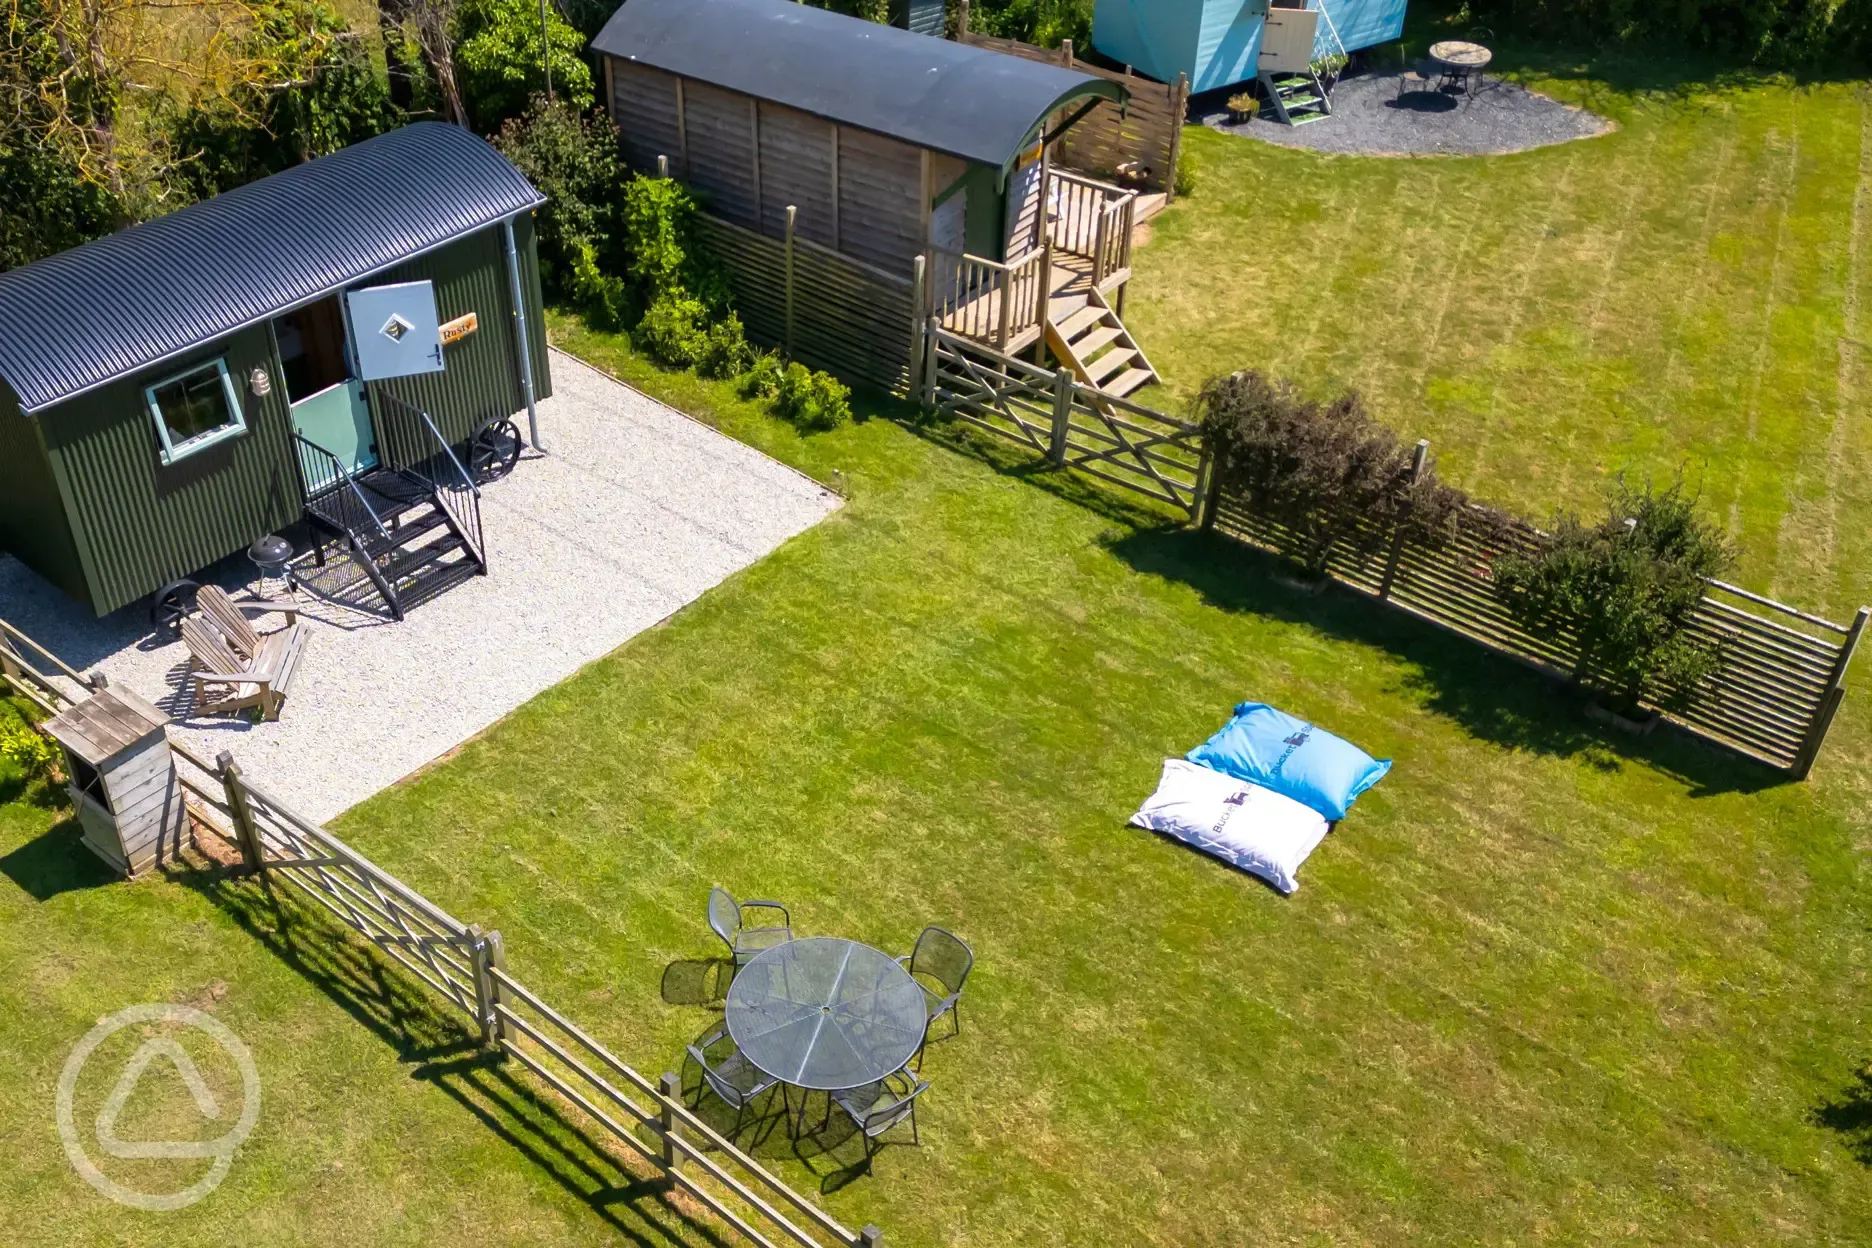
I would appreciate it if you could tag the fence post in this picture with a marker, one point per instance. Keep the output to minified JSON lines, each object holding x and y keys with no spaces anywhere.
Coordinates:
{"x":932,"y":361}
{"x":792,"y":214}
{"x":1046,"y":297}
{"x":1066,"y":53}
{"x":671,"y":1087}
{"x":870,"y":1237}
{"x":483,"y":985}
{"x":246,"y":835}
{"x":1830,"y":701}
{"x":1420,"y":457}
{"x":1179,"y":107}
{"x":662,"y":166}
{"x":10,"y":660}
{"x":918,"y":278}
{"x":1004,"y":279}
{"x":962,"y":8}
{"x":496,"y":961}
{"x":1062,"y":417}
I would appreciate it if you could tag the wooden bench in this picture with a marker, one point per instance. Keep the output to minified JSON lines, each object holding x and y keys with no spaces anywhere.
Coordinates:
{"x":262,"y":681}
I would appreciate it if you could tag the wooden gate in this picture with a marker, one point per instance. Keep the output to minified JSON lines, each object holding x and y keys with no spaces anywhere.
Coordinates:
{"x":1071,"y":424}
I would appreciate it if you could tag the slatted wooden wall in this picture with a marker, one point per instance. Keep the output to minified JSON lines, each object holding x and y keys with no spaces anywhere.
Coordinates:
{"x":798,"y":164}
{"x":1773,"y":700}
{"x":1149,"y":133}
{"x":881,"y":216}
{"x":718,"y":127}
{"x":847,"y":317}
{"x":643,"y":103}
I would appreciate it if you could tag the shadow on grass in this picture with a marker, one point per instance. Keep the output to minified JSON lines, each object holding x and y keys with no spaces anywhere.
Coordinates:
{"x":696,"y":981}
{"x":1489,"y":695}
{"x":1850,"y":1114}
{"x":54,"y":862}
{"x":446,"y":1053}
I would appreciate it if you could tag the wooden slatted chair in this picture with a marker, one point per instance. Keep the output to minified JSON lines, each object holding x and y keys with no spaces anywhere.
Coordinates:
{"x":261,"y":682}
{"x":230,"y":618}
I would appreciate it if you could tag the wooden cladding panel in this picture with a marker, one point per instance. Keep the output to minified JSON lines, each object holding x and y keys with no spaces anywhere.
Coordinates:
{"x":720,"y":129}
{"x":797,"y":157}
{"x":881,"y":213}
{"x":1147,"y":134}
{"x":643,"y":104}
{"x":847,"y":318}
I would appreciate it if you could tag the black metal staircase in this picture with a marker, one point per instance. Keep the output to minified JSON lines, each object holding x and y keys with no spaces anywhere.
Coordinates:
{"x":412,"y":524}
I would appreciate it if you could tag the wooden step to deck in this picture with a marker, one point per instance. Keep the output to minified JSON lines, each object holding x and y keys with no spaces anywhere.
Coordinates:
{"x":1094,"y":343}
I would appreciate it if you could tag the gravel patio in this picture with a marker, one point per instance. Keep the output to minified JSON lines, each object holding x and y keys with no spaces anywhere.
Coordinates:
{"x":1381,"y":113}
{"x":636,"y":511}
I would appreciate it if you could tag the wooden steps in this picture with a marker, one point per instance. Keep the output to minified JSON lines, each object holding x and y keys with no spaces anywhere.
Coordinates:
{"x":1098,"y":348}
{"x":1297,"y":97}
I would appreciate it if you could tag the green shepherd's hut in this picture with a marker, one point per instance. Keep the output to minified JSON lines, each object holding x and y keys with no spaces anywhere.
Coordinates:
{"x":337,"y":351}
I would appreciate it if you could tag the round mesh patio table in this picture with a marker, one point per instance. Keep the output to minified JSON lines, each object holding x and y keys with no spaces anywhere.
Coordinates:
{"x":1461,"y":54}
{"x":825,"y":1014}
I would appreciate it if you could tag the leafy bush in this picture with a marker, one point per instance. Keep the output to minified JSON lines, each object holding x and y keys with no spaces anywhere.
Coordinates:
{"x":725,"y":351}
{"x":574,"y":160}
{"x":328,"y":96}
{"x":1624,"y":588}
{"x":762,"y":379}
{"x":1773,"y":32}
{"x":32,"y":753}
{"x":1328,"y":472}
{"x":674,"y":329}
{"x":811,"y":400}
{"x":47,"y":206}
{"x":1188,"y":172}
{"x":662,"y":251}
{"x":1044,"y":22}
{"x":498,"y":62}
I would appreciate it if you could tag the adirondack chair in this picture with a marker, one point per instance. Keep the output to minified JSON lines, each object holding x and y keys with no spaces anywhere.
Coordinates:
{"x":230,"y":618}
{"x":261,"y":682}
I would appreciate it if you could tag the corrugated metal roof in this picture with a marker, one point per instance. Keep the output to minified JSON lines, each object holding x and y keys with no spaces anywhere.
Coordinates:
{"x":78,"y":319}
{"x":950,"y":97}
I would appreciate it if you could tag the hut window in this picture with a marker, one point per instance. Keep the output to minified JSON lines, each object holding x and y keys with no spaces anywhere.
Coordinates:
{"x":195,"y":409}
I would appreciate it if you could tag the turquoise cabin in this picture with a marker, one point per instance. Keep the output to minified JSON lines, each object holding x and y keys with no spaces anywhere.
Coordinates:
{"x":1217,"y":43}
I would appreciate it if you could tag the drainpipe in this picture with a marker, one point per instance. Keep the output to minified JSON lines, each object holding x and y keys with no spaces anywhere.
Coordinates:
{"x":520,"y":335}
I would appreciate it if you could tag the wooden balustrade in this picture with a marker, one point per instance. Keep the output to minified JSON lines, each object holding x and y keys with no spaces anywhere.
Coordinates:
{"x":998,"y":303}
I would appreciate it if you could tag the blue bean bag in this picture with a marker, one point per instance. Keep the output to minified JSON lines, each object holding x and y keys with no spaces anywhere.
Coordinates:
{"x":1290,"y":756}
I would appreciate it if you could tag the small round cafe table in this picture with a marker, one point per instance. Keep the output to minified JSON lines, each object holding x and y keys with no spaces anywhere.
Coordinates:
{"x":1461,"y":61}
{"x":825,"y":1014}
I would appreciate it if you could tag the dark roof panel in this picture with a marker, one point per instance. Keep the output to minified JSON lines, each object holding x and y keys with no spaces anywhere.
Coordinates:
{"x":951,"y":97}
{"x":81,"y":318}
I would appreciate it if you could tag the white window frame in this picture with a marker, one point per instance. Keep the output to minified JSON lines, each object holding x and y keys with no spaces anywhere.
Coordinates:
{"x":173,"y":451}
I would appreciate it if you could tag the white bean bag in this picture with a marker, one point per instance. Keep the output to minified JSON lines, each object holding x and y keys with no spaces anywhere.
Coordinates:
{"x":1243,"y":824}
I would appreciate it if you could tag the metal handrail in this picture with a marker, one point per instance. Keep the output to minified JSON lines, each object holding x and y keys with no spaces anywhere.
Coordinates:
{"x":347,"y":479}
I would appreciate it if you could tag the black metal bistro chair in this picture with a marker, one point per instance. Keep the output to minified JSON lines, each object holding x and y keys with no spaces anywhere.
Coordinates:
{"x":728,"y":918}
{"x":943,"y":957}
{"x":877,"y":1107}
{"x":729,"y":1075}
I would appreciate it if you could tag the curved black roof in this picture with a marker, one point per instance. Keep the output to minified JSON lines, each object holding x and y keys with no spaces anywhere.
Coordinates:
{"x":950,"y":97}
{"x":81,"y":318}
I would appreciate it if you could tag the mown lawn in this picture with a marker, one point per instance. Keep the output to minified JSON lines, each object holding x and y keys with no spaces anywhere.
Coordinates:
{"x":1688,"y":291}
{"x":1539,"y":987}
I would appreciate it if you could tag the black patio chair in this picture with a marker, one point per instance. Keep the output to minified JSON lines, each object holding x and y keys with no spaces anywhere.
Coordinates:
{"x":877,"y":1107}
{"x":942,"y":956}
{"x":728,"y":918}
{"x":729,"y":1075}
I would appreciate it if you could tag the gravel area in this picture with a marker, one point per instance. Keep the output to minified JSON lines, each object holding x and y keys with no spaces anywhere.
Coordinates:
{"x":637,"y":511}
{"x":1377,"y":114}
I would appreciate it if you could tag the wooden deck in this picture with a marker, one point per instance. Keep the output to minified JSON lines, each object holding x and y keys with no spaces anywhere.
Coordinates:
{"x":1069,"y":289}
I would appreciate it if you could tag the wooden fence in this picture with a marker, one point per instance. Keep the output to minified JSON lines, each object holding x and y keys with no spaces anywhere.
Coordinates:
{"x":1071,"y":424}
{"x":1783,"y":675}
{"x":1144,"y":139}
{"x":467,"y":968}
{"x":822,"y":308}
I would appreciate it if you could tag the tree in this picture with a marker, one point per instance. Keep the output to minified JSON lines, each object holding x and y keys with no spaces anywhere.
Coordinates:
{"x":1327,"y":472}
{"x":429,"y":25}
{"x":1625,"y":589}
{"x":498,"y":58}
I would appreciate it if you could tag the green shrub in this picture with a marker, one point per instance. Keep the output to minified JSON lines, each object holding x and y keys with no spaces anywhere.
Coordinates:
{"x":1835,"y":35}
{"x":574,"y":161}
{"x":1188,"y":172}
{"x":674,"y":329}
{"x":810,"y":400}
{"x":1624,"y":589}
{"x":32,"y":753}
{"x":725,"y":350}
{"x":762,"y":379}
{"x":498,"y":63}
{"x":1335,"y":478}
{"x":662,"y":250}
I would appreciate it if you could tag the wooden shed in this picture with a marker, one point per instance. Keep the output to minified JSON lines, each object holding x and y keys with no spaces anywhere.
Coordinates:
{"x":305,"y":353}
{"x":121,"y":779}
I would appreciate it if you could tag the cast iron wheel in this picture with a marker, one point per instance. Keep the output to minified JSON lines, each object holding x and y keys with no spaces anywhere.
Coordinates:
{"x":171,"y":603}
{"x":495,"y":451}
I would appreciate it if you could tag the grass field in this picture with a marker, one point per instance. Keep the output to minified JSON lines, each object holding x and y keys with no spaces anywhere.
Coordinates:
{"x":1690,"y":291}
{"x":1539,"y":987}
